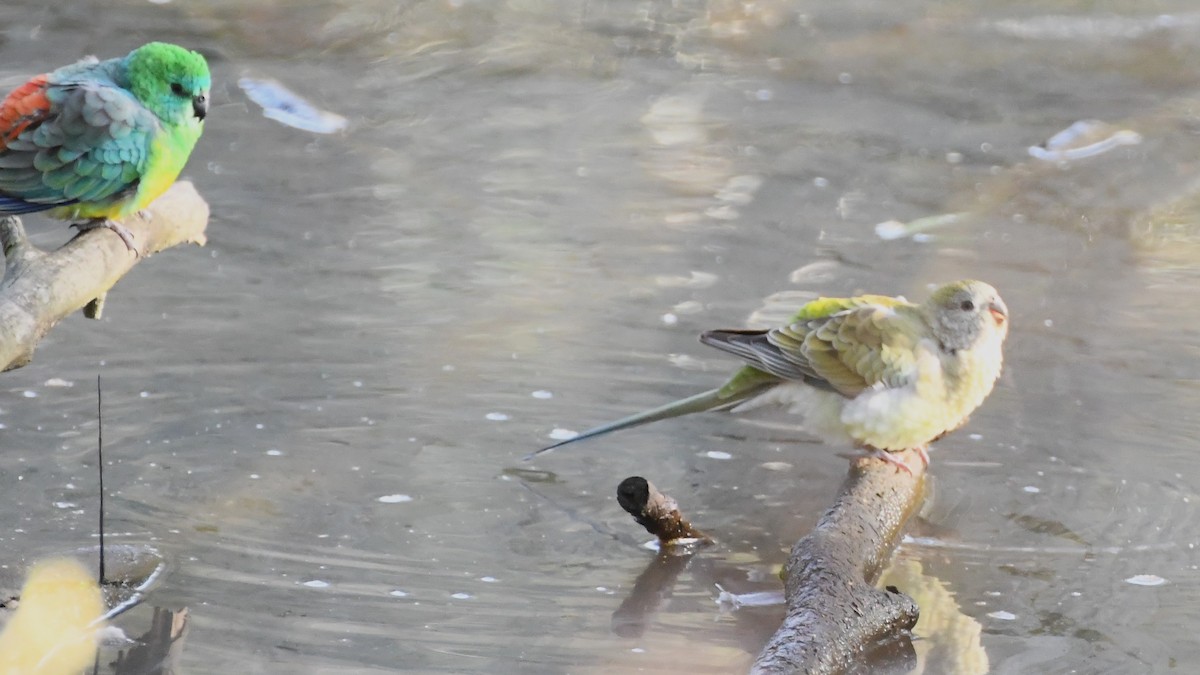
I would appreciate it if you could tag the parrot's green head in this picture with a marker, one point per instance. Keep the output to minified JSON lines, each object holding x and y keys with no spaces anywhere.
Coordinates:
{"x":966,"y":313}
{"x":171,"y":81}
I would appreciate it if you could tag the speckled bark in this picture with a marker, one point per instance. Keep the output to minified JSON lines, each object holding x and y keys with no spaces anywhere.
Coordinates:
{"x":40,"y":288}
{"x":834,"y":611}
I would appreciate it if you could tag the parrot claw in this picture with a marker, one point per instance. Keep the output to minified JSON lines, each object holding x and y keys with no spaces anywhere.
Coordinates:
{"x":894,"y":459}
{"x":120,"y":230}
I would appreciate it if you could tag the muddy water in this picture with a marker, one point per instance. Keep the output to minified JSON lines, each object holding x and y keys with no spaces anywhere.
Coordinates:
{"x":318,"y":418}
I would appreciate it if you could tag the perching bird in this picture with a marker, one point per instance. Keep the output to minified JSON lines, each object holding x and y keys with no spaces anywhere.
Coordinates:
{"x":877,"y":372}
{"x":100,"y":140}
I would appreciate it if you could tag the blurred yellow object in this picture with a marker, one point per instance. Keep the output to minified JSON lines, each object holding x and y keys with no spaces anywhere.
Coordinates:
{"x":52,"y":632}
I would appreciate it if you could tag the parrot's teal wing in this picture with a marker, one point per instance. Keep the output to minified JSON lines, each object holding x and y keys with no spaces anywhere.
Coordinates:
{"x":840,"y":344}
{"x":79,"y":141}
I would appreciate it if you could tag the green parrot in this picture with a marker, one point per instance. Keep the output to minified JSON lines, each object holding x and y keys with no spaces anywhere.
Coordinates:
{"x":100,"y":140}
{"x":877,"y":372}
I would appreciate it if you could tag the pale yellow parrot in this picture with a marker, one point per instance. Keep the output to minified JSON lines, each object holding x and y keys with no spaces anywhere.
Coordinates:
{"x":872,"y":371}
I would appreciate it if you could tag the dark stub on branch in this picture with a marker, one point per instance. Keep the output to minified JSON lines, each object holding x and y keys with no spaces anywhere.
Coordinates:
{"x":657,"y":512}
{"x":660,"y":515}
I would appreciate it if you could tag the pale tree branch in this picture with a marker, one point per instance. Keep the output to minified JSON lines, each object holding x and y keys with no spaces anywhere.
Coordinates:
{"x":41,"y":288}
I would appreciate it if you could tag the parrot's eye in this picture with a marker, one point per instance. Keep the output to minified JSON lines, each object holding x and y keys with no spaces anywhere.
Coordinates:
{"x":967,"y":306}
{"x":177,"y":89}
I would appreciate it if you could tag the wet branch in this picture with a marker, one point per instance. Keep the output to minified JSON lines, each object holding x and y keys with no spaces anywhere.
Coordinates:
{"x":159,"y":648}
{"x":40,"y":288}
{"x":656,"y":512}
{"x":677,"y":540}
{"x":834,"y":612}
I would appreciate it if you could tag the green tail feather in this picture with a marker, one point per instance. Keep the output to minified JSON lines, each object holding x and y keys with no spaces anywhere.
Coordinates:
{"x":712,"y":399}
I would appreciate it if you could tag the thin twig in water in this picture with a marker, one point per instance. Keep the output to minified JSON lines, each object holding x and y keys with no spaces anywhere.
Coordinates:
{"x":100,"y":471}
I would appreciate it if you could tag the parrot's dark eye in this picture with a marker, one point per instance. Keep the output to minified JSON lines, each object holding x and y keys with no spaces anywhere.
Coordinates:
{"x":967,"y":306}
{"x":177,"y":89}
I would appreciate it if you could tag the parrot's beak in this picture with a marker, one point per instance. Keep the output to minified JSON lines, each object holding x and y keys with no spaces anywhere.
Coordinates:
{"x":200,"y":106}
{"x":999,"y":311}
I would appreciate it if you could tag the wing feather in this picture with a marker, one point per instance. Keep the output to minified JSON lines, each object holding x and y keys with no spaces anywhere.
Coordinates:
{"x":843,"y":344}
{"x":65,"y":143}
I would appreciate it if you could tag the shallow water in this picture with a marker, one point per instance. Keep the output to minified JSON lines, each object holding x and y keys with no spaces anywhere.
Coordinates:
{"x":318,"y":418}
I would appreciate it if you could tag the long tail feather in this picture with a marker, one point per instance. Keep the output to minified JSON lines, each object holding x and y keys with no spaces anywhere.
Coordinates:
{"x":708,"y":400}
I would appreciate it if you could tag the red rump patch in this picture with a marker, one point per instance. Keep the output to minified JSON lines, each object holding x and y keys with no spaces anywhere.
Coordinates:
{"x":24,"y":106}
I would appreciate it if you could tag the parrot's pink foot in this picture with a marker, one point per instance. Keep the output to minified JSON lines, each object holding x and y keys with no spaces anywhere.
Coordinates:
{"x":120,"y":230}
{"x":923,"y":453}
{"x":890,"y":458}
{"x":894,"y":460}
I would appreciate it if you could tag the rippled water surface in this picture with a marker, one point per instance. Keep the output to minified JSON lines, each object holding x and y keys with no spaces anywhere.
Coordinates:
{"x":318,"y":418}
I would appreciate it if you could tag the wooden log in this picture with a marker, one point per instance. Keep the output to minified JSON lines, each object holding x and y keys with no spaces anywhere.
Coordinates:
{"x":834,"y":611}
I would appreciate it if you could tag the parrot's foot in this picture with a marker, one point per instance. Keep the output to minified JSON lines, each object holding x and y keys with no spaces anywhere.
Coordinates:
{"x":892,"y":458}
{"x":120,"y":230}
{"x":923,"y":453}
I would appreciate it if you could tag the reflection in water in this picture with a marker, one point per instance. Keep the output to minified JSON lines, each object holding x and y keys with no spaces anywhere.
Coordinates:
{"x":949,"y":641}
{"x":284,"y":106}
{"x":650,"y":592}
{"x":521,"y":190}
{"x":159,"y":649}
{"x":1083,"y":139}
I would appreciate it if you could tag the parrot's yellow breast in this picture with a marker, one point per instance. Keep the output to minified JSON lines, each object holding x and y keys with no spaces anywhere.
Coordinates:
{"x":945,"y":391}
{"x":167,"y":157}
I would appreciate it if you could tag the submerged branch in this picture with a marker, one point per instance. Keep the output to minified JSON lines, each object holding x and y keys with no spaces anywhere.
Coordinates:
{"x":657,"y":512}
{"x":41,"y":288}
{"x":159,"y":648}
{"x":834,"y":611}
{"x":677,"y":541}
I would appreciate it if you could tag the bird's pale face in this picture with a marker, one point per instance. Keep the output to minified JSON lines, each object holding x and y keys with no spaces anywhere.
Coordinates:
{"x":967,"y":313}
